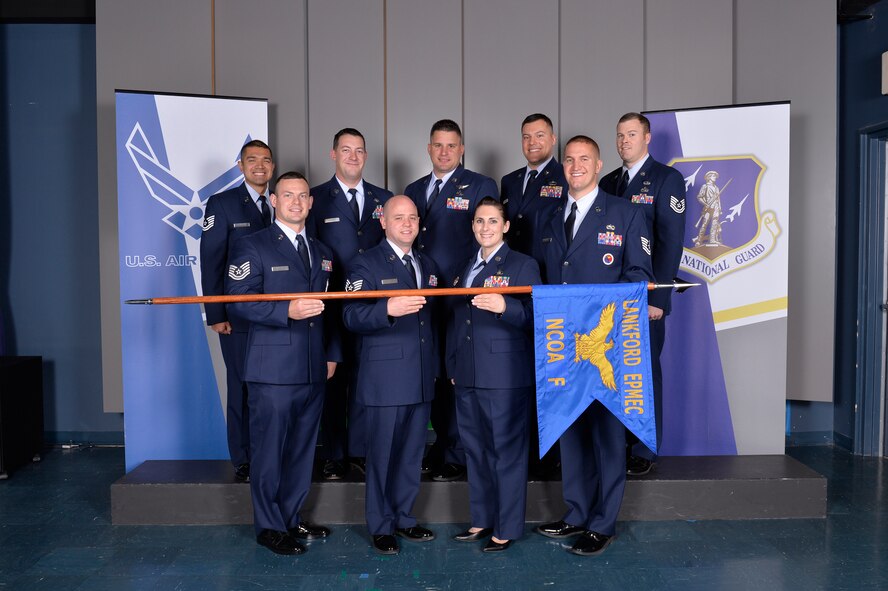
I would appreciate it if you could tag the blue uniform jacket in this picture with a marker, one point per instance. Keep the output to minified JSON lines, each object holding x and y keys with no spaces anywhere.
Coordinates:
{"x":543,"y":196}
{"x":445,"y":232}
{"x":610,"y":246}
{"x":228,"y":216}
{"x":398,"y":360}
{"x":660,"y":191}
{"x":331,"y":220}
{"x":487,"y":350}
{"x":281,"y":350}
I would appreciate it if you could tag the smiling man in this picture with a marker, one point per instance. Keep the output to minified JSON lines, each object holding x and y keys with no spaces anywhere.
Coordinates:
{"x":659,"y":191}
{"x":533,"y":191}
{"x":445,"y":200}
{"x":290,"y":356}
{"x":593,"y":237}
{"x":398,"y":365}
{"x":229,"y":215}
{"x":345,"y":216}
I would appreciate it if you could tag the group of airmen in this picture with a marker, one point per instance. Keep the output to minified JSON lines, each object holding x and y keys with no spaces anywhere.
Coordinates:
{"x":372,"y":372}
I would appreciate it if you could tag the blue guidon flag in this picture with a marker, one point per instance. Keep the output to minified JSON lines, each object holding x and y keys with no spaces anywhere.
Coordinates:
{"x":592,"y":344}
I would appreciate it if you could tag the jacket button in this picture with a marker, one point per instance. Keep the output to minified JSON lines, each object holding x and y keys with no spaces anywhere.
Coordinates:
{"x":468,"y":321}
{"x":360,"y":233}
{"x":311,"y":324}
{"x":520,"y":216}
{"x":424,"y":228}
{"x":421,"y":246}
{"x":566,"y":263}
{"x":360,"y":251}
{"x":422,"y":322}
{"x":468,"y":338}
{"x":421,"y":340}
{"x":564,"y":283}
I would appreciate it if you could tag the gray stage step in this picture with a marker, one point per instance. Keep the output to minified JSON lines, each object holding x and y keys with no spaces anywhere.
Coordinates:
{"x":203,"y":492}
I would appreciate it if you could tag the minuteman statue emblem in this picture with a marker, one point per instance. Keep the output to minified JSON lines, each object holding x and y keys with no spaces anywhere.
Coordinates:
{"x":724,"y":229}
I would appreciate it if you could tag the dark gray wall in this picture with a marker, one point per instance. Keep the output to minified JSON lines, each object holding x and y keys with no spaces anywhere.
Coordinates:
{"x":392,"y":67}
{"x":50,"y":251}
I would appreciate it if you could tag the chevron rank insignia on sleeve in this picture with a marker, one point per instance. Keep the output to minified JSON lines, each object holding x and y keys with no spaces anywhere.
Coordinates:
{"x":354,"y":286}
{"x":646,"y":245}
{"x":239,"y":273}
{"x":209,"y":222}
{"x":677,"y":205}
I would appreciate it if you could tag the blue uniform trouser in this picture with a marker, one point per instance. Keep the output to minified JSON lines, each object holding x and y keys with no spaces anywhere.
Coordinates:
{"x":593,"y":469}
{"x":234,"y":351}
{"x":657,"y":331}
{"x":396,"y":438}
{"x":283,"y":433}
{"x":493,"y":429}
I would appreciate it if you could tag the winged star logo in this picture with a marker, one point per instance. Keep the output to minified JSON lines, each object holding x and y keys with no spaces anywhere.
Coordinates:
{"x":185,"y":204}
{"x":592,"y":347}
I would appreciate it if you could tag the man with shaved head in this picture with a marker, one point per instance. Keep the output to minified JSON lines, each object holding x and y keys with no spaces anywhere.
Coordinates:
{"x":397,"y":368}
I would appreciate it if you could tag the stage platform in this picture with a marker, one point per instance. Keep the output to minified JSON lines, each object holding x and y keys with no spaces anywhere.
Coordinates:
{"x":204,"y":492}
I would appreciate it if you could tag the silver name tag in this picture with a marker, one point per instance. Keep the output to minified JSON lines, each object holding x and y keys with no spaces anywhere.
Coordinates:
{"x":283,"y":268}
{"x":241,"y":225}
{"x":331,"y":220}
{"x":389,"y":281}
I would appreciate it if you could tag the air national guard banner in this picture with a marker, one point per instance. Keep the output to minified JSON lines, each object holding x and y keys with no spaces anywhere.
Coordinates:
{"x":592,"y":344}
{"x":173,"y":152}
{"x":724,"y":361}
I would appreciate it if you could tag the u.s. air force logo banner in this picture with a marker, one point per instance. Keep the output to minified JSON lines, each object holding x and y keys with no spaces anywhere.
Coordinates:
{"x":173,"y":153}
{"x":725,"y":229}
{"x":591,"y":343}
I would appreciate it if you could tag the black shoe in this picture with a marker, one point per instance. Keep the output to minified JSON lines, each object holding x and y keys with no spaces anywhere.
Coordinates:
{"x":416,"y":534}
{"x":279,"y":542}
{"x":637,"y":466}
{"x":448,"y":472}
{"x":590,"y":544}
{"x":426,"y":466}
{"x":307,"y":531}
{"x":358,"y":464}
{"x":333,"y":470}
{"x":385,"y":544}
{"x":493,"y":546}
{"x":473,"y":536}
{"x":559,"y":530}
{"x":242,"y":472}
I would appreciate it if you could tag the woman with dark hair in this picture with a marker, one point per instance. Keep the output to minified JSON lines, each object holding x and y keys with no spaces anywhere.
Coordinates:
{"x":490,"y":361}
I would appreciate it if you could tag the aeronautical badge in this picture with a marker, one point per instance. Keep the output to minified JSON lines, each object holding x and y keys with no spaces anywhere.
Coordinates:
{"x":610,"y":239}
{"x":608,"y":259}
{"x":239,"y":273}
{"x":550,"y":191}
{"x":462,"y":187}
{"x":377,"y":213}
{"x":643,"y":198}
{"x":433,"y":281}
{"x":726,"y":231}
{"x":610,"y":227}
{"x":646,"y":245}
{"x":497,"y":281}
{"x":209,"y":222}
{"x":354,"y":285}
{"x":326,"y":265}
{"x":458,"y":203}
{"x":677,"y":205}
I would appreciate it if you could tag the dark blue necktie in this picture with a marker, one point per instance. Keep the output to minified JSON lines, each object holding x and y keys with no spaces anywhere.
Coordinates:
{"x":302,"y":249}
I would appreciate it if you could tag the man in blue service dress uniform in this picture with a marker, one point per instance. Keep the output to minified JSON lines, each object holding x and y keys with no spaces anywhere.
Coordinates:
{"x":396,"y":372}
{"x":289,"y":359}
{"x":594,"y":237}
{"x":531,"y":194}
{"x":345,"y":217}
{"x":534,"y":191}
{"x":446,"y":199}
{"x":660,"y":192}
{"x":228,"y":216}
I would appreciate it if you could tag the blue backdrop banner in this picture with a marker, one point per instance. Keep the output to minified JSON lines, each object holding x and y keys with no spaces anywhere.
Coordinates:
{"x":173,"y":152}
{"x":592,"y":344}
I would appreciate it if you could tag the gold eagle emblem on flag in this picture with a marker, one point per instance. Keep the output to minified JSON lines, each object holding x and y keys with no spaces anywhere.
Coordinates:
{"x":593,"y":346}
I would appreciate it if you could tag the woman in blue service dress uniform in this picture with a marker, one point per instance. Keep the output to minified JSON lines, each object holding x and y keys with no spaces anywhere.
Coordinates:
{"x":490,"y":362}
